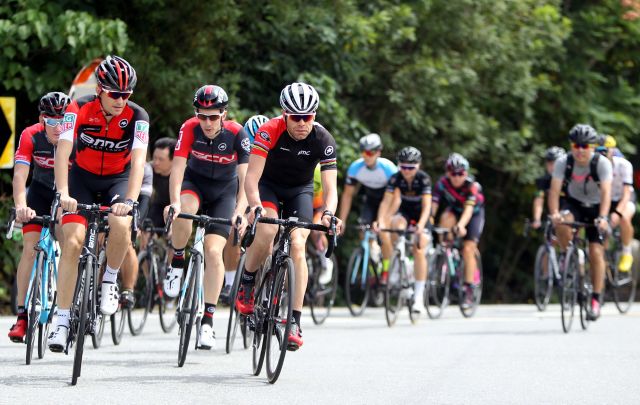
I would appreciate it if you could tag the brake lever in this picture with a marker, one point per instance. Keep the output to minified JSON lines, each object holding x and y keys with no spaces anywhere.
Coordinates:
{"x":236,"y":237}
{"x":333,"y":241}
{"x":252,"y":233}
{"x":167,"y":226}
{"x":11,"y":223}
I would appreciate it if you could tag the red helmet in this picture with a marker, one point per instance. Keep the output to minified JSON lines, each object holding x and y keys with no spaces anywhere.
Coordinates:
{"x":211,"y":97}
{"x":116,"y":74}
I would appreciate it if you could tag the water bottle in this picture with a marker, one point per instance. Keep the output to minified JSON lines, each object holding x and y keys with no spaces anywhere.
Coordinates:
{"x":375,"y":252}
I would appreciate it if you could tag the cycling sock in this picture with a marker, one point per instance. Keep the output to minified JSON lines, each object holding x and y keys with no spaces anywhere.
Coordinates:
{"x":248,"y":278}
{"x":229,"y":277}
{"x":296,"y":316}
{"x":626,"y":249}
{"x":209,"y":310}
{"x":419,"y":289}
{"x":178,"y":259}
{"x":385,"y":265}
{"x":63,"y":318}
{"x":110,"y":275}
{"x":22,"y":313}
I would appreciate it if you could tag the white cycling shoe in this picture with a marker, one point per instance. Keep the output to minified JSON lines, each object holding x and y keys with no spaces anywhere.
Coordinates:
{"x":109,"y":298}
{"x":417,"y":306}
{"x":207,"y":339}
{"x":171,"y":283}
{"x":326,"y":274}
{"x":57,"y":340}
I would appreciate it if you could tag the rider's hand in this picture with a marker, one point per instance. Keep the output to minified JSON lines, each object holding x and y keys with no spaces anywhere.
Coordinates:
{"x":375,"y":226}
{"x":121,"y":209}
{"x":602,"y":224}
{"x":614,"y":219}
{"x":326,"y":221}
{"x":461,"y":231}
{"x":536,"y":224}
{"x":343,"y":229}
{"x":556,"y":218}
{"x":68,"y":204}
{"x":243,"y":223}
{"x":419,"y":230}
{"x":252,"y":214}
{"x":176,"y":210}
{"x":24,"y":214}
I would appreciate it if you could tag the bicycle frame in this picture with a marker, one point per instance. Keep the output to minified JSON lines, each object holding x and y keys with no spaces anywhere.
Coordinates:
{"x":197,"y":249}
{"x":49,"y":247}
{"x":365,"y":245}
{"x":549,"y":241}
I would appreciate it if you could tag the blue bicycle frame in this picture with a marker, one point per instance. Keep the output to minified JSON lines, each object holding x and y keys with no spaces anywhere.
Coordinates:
{"x":364,"y":244}
{"x":47,"y":254}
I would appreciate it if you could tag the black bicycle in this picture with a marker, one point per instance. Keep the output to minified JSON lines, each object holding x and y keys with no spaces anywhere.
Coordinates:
{"x":236,"y":319}
{"x":546,"y":271}
{"x":85,"y":307}
{"x":272,"y":315}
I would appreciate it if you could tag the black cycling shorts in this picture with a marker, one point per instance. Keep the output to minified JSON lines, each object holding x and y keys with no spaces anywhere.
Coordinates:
{"x":216,"y":198}
{"x":288,"y":201}
{"x":369,"y":210}
{"x":410,"y":212}
{"x":584,"y":214}
{"x":39,"y":198}
{"x":475,"y":225}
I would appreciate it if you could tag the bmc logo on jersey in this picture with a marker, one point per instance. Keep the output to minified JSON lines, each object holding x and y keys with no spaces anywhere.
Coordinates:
{"x":222,"y":159}
{"x":104,"y":144}
{"x":304,"y":152}
{"x":68,"y":121}
{"x":142,"y":131}
{"x":43,"y":161}
{"x":328,"y":151}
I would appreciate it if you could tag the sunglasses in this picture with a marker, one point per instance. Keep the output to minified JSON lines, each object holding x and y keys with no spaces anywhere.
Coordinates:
{"x":408,"y":167}
{"x":581,"y":145}
{"x":301,"y":117}
{"x":52,"y":122}
{"x":118,"y":94}
{"x":212,"y":117}
{"x":369,"y":153}
{"x":457,"y":174}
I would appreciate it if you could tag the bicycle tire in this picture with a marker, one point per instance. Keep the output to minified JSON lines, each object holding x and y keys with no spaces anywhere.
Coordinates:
{"x":118,"y":322}
{"x":438,"y":286}
{"x":624,"y":287}
{"x":188,"y":313}
{"x":281,"y":293}
{"x":35,"y":301}
{"x":357,"y":291}
{"x":258,"y":318}
{"x":43,"y":329}
{"x":322,"y":296}
{"x":586,"y":288}
{"x":234,"y":314}
{"x":542,"y":286}
{"x":394,"y":289}
{"x":569,"y":289}
{"x":166,"y":305}
{"x":83,"y":315}
{"x":468,"y":312}
{"x":143,"y":293}
{"x":96,"y":338}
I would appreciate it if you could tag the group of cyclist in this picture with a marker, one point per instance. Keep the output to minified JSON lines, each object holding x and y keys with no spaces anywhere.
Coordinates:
{"x":592,"y":184}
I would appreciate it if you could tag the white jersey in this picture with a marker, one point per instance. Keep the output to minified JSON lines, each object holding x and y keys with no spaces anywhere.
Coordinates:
{"x":622,"y":176}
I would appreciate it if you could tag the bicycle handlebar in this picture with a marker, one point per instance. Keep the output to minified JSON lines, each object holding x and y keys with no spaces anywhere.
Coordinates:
{"x":10,"y":223}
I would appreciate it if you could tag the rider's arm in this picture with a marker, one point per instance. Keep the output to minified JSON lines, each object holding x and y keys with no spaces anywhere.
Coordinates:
{"x":61,"y":166}
{"x":178,"y":167}
{"x":345,"y":201}
{"x":138,"y":160}
{"x":626,"y":197}
{"x":20,"y":175}
{"x":241,"y":202}
{"x":605,"y":197}
{"x":254,"y":172}
{"x":387,"y":200}
{"x":467,"y":213}
{"x":538,"y":203}
{"x":425,"y":214}
{"x":553,"y":198}
{"x":330,"y":189}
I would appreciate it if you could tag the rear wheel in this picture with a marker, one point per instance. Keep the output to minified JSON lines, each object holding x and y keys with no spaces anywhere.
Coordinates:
{"x":357,"y":284}
{"x":569,"y":295}
{"x":542,"y":278}
{"x":264,"y":280}
{"x":322,"y":295}
{"x":469,"y":311}
{"x":436,"y":292}
{"x":393,"y":299}
{"x":34,"y":307}
{"x":187,"y":315}
{"x":624,"y":287}
{"x":118,"y":322}
{"x":280,"y":318}
{"x":43,"y":328}
{"x":166,"y":305}
{"x":234,"y":314}
{"x":143,"y":294}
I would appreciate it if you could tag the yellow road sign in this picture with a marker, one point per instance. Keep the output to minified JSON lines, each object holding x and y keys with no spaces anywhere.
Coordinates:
{"x":7,"y":131}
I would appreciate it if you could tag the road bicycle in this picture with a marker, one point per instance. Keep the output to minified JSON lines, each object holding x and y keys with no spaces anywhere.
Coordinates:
{"x":236,"y":319}
{"x":622,"y":285}
{"x":273,"y":310}
{"x":546,"y":271}
{"x":363,"y":280}
{"x":321,"y":290}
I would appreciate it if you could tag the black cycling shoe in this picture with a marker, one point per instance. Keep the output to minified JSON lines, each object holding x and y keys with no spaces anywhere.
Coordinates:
{"x":225,"y":295}
{"x":128,"y":299}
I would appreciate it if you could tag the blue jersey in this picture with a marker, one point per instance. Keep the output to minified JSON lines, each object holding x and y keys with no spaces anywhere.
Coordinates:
{"x":374,"y":180}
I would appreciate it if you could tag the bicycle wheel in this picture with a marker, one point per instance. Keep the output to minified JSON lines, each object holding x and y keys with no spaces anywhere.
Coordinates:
{"x":187,"y":315}
{"x":234,"y":314}
{"x":357,"y":286}
{"x":96,"y":337}
{"x":478,"y":277}
{"x":43,"y":328}
{"x":34,"y":306}
{"x":542,"y":279}
{"x":280,"y":318}
{"x":393,"y":297}
{"x":322,"y":295}
{"x":436,"y":292}
{"x":264,"y":279}
{"x":624,"y":287}
{"x":80,"y":312}
{"x":143,"y":293}
{"x":569,"y":294}
{"x":118,"y":322}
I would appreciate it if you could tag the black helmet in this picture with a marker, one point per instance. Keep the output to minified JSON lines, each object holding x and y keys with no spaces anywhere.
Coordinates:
{"x":583,"y":133}
{"x":116,"y":74}
{"x":210,"y":96}
{"x":409,"y":154}
{"x":553,"y":153}
{"x":456,"y":162}
{"x":54,"y":104}
{"x":371,"y":142}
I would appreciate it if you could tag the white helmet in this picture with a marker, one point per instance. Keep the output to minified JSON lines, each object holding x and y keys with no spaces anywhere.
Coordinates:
{"x":252,"y":125}
{"x":299,"y":98}
{"x":370,"y":142}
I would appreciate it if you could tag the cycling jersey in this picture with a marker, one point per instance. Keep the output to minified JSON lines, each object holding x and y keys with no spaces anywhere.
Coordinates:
{"x":622,"y":176}
{"x":581,"y":186}
{"x":543,"y":184}
{"x":104,"y":148}
{"x":373,"y":180}
{"x":34,"y":146}
{"x":447,"y":196}
{"x":290,"y":162}
{"x":216,"y":158}
{"x":411,"y":193}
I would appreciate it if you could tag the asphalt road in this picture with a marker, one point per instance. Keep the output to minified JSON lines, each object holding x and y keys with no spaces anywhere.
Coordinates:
{"x":505,"y":355}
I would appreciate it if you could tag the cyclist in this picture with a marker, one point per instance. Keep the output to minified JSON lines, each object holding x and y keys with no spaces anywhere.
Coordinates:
{"x":161,"y":162}
{"x":623,"y":201}
{"x":407,"y":201}
{"x":285,"y":153}
{"x":372,"y":172}
{"x":585,"y":177}
{"x":208,"y":174}
{"x":112,"y":134}
{"x":231,"y":253}
{"x":458,"y":203}
{"x":38,"y":145}
{"x":543,"y":183}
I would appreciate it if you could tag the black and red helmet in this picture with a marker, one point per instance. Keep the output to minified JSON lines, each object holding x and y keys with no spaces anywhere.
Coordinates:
{"x":116,"y":74}
{"x":210,"y":97}
{"x":54,"y":104}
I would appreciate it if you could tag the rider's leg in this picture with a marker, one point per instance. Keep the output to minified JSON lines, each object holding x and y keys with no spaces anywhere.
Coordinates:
{"x":213,"y":273}
{"x":298,"y":254}
{"x":130,"y":269}
{"x":231,"y":258}
{"x":181,"y":231}
{"x":30,"y":237}
{"x":420,"y":270}
{"x":626,"y":236}
{"x":74,"y":228}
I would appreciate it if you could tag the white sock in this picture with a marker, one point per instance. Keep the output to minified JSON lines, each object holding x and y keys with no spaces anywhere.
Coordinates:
{"x":63,"y":317}
{"x":110,"y":275}
{"x":626,"y":249}
{"x":229,"y":276}
{"x":419,"y":289}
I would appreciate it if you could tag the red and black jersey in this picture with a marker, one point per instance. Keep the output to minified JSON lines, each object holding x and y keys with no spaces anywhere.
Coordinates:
{"x":35,"y":147}
{"x":470,"y":193}
{"x":105,"y":148}
{"x":217,"y":158}
{"x":290,"y":162}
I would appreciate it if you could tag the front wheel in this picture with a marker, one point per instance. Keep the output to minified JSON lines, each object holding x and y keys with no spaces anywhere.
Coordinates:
{"x":322,"y":289}
{"x":188,"y":310}
{"x":469,"y":310}
{"x":570,"y":282}
{"x":542,"y":278}
{"x":357,"y":286}
{"x":395,"y":288}
{"x":436,"y":292}
{"x":118,"y":321}
{"x":80,"y":314}
{"x":34,"y":307}
{"x":143,"y":294}
{"x":624,"y":287}
{"x":258,"y":319}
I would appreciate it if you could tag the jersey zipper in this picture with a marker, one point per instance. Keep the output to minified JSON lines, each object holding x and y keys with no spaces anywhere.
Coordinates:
{"x":106,"y":136}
